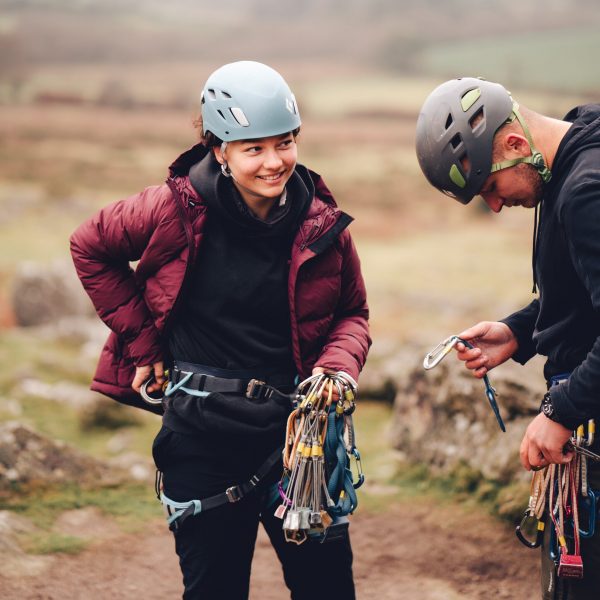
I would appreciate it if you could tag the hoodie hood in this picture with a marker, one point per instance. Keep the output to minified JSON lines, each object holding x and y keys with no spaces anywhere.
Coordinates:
{"x":583,"y":135}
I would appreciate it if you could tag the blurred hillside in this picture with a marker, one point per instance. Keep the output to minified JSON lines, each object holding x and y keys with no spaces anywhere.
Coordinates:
{"x":549,"y":44}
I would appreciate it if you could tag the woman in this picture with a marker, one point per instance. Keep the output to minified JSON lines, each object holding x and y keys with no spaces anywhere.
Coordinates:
{"x":246,"y":274}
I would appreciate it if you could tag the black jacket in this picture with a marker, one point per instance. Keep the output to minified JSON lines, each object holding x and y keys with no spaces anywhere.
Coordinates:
{"x":564,"y":324}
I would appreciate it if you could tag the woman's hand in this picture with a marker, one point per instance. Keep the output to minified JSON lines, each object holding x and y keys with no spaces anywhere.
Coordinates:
{"x":144,"y":373}
{"x":494,"y":344}
{"x":335,"y":394}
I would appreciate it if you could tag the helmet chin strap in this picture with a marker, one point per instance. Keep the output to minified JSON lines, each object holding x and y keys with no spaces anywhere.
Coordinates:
{"x":535,"y":159}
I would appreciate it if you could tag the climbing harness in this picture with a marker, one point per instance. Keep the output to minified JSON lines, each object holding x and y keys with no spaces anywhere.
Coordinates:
{"x":562,"y":492}
{"x":190,"y":379}
{"x":319,"y":444}
{"x":317,"y":488}
{"x":434,"y":357}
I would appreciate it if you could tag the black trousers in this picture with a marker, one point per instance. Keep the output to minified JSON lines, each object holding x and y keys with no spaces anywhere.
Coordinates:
{"x":215,"y":548}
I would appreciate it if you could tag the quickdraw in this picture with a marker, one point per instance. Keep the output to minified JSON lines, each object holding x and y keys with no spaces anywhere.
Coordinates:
{"x":562,"y":492}
{"x":317,"y":485}
{"x":434,"y":357}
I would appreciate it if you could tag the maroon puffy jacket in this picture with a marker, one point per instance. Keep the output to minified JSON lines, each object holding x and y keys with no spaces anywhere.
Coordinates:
{"x":162,"y":228}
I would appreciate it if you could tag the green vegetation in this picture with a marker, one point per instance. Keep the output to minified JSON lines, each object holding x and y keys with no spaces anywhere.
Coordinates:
{"x":52,"y":543}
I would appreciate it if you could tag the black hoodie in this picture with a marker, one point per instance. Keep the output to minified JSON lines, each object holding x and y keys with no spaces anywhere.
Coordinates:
{"x":564,"y":324}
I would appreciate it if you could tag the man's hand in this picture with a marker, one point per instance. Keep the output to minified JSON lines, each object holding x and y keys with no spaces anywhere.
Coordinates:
{"x":144,"y":373}
{"x":543,"y":443}
{"x":494,"y":344}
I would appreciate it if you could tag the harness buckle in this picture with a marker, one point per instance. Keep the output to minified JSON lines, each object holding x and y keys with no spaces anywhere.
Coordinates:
{"x":253,"y":389}
{"x":233,"y":493}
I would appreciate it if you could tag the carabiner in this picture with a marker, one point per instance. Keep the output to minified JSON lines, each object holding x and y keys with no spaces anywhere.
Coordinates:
{"x":590,"y":501}
{"x":539,"y":536}
{"x":359,"y":470}
{"x":146,"y":396}
{"x":436,"y":356}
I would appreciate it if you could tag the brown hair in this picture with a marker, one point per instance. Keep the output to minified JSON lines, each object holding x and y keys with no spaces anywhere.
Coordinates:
{"x":208,"y":139}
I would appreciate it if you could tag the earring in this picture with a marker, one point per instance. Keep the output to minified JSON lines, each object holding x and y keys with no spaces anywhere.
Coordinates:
{"x":225,"y":169}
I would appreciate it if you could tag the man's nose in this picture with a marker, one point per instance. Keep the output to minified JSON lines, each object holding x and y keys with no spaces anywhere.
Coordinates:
{"x":495,"y":203}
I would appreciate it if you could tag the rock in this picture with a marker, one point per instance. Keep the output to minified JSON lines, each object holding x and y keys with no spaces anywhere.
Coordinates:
{"x":28,"y":459}
{"x":139,"y":468}
{"x":65,"y":392}
{"x":442,"y":418}
{"x":14,"y":561}
{"x":42,"y":293}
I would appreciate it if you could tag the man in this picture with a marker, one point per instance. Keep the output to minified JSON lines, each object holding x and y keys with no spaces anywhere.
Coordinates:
{"x":473,"y":138}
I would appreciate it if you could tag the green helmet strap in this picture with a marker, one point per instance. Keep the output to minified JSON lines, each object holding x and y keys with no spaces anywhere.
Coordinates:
{"x":536,"y":159}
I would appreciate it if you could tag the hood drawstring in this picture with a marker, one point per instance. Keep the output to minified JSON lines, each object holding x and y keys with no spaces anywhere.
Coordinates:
{"x":537,"y":218}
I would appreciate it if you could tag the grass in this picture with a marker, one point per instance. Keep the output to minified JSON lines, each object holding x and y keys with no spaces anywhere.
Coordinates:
{"x":53,"y":543}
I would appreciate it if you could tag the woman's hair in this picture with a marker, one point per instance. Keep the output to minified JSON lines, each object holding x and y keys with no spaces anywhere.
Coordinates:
{"x":210,"y":140}
{"x":207,"y":139}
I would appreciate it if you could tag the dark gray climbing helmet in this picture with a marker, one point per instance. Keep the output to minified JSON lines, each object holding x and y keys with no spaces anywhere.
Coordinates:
{"x":455,"y":132}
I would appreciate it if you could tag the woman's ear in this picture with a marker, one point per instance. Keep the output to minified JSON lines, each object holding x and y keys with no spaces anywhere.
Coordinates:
{"x":218,"y":154}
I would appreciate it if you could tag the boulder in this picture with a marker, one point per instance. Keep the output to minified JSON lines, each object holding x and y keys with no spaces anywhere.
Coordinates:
{"x":43,"y":293}
{"x":442,"y":418}
{"x":28,"y":459}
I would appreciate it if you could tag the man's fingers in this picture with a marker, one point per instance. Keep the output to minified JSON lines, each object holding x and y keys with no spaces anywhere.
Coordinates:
{"x":468,"y":353}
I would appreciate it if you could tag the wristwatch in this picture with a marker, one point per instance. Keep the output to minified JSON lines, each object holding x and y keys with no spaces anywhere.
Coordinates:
{"x":547,"y":407}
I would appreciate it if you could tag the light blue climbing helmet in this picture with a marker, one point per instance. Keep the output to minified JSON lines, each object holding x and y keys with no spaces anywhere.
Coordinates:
{"x":248,"y":100}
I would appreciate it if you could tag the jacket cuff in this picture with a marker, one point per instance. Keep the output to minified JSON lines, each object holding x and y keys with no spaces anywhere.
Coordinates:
{"x":145,"y":348}
{"x":566,"y":412}
{"x":526,"y":347}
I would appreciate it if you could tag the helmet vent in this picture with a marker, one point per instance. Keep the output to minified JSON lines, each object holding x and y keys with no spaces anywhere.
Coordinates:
{"x":456,"y":141}
{"x":449,"y":121}
{"x":211,"y":94}
{"x":222,"y":115}
{"x":239,"y":116}
{"x":225,"y":94}
{"x":477,"y":119}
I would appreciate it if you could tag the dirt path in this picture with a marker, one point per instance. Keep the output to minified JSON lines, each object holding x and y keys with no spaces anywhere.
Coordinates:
{"x":423,"y":551}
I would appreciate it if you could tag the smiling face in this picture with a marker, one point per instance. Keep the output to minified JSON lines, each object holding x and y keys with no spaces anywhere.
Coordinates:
{"x":260,"y":168}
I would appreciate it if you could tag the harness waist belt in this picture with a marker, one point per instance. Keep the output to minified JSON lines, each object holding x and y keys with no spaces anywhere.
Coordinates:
{"x":247,"y":386}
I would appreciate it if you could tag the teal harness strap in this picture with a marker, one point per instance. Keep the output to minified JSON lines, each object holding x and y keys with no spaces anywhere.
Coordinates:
{"x":172,"y":388}
{"x":180,"y":508}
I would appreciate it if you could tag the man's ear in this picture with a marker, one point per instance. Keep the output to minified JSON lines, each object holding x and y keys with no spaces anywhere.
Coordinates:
{"x":517,"y":144}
